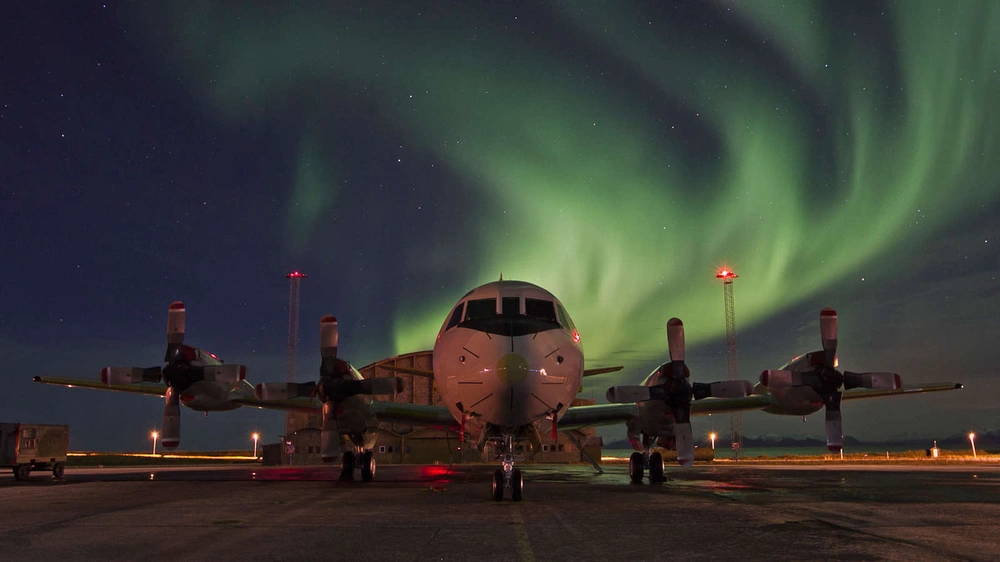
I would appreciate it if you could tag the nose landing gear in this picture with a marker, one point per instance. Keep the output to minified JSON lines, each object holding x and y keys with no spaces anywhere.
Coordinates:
{"x":507,"y":476}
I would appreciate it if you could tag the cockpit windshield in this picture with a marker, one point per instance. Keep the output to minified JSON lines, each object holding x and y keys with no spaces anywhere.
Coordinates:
{"x":539,"y":315}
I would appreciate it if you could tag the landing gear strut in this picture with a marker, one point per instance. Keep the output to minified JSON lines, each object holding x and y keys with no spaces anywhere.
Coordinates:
{"x":507,"y":476}
{"x":347,"y":467}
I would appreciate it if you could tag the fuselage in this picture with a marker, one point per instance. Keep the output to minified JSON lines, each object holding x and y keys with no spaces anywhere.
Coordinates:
{"x":507,"y":355}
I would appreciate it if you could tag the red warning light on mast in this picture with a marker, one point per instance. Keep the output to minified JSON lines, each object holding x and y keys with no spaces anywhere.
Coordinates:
{"x":296,"y":275}
{"x":725,"y":273}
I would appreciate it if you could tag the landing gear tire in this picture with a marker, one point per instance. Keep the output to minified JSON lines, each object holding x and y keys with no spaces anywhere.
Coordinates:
{"x":516,"y":485}
{"x":367,"y":466}
{"x":635,"y":467}
{"x":656,"y":469}
{"x":57,"y":470}
{"x":22,"y":472}
{"x":347,"y":467}
{"x":498,"y":485}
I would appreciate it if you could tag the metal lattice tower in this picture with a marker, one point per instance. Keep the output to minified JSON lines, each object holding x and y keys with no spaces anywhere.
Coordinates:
{"x":727,"y":276}
{"x":294,"y":280}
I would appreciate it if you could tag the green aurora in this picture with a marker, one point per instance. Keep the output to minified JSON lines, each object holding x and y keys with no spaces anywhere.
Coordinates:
{"x":801,"y":150}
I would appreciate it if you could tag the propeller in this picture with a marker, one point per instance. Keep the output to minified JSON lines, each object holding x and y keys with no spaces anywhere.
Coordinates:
{"x":337,"y":382}
{"x":329,"y":339}
{"x":677,"y":392}
{"x":183,"y":366}
{"x":178,"y":362}
{"x":818,"y":370}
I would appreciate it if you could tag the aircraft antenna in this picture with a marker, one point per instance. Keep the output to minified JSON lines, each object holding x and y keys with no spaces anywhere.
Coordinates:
{"x":727,"y":276}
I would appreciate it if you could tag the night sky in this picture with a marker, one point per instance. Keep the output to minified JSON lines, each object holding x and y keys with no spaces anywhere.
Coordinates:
{"x":843,"y":154}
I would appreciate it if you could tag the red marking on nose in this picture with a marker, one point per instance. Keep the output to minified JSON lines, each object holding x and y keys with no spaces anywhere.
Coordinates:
{"x":185,"y":398}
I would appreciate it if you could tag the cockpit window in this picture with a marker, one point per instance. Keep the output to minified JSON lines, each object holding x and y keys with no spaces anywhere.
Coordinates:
{"x":539,"y":316}
{"x":542,"y":309}
{"x":511,"y":306}
{"x":480,"y":308}
{"x":456,"y":316}
{"x":564,"y":318}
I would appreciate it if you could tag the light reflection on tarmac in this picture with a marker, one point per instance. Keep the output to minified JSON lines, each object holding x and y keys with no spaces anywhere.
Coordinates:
{"x":444,"y":512}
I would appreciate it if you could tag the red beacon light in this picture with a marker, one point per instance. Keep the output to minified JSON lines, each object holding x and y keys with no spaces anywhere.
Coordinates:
{"x":296,"y":275}
{"x":725,"y":274}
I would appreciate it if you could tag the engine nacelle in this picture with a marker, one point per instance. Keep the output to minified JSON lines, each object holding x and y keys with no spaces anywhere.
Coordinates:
{"x":130,"y":375}
{"x":229,"y":374}
{"x":285,"y":390}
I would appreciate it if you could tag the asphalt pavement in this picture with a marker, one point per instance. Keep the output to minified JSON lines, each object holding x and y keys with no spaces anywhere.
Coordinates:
{"x":435,"y":512}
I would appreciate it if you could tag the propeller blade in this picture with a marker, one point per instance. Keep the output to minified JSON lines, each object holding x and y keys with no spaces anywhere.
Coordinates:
{"x":329,"y":336}
{"x":834,"y":423}
{"x":330,"y":435}
{"x":887,"y":381}
{"x":626,"y":394}
{"x":675,"y":339}
{"x":171,"y":429}
{"x":175,"y":322}
{"x":828,"y":335}
{"x":685,"y":443}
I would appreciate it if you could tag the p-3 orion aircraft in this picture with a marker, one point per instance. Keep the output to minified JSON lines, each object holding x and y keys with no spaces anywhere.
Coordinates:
{"x":507,"y":356}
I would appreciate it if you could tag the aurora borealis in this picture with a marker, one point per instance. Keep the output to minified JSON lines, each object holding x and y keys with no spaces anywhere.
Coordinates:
{"x":615,"y":153}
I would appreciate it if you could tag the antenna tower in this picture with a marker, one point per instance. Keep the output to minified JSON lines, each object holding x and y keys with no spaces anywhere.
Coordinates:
{"x":727,"y":276}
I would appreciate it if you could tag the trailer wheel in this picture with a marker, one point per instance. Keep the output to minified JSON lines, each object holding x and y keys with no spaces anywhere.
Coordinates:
{"x":57,"y":470}
{"x":22,"y":471}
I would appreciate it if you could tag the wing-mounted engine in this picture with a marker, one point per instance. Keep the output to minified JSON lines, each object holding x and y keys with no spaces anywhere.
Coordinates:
{"x":227,"y":374}
{"x":812,"y":381}
{"x":670,"y":385}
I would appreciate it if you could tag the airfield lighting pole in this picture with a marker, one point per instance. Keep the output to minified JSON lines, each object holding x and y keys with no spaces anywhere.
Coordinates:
{"x":154,"y":435}
{"x":294,"y":281}
{"x":972,"y":441}
{"x":256,"y":437}
{"x":727,"y":276}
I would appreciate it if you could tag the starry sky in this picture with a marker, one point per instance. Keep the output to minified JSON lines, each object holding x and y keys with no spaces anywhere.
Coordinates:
{"x":840,"y":154}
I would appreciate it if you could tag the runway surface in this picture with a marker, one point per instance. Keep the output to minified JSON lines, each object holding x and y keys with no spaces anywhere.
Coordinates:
{"x":569,"y":513}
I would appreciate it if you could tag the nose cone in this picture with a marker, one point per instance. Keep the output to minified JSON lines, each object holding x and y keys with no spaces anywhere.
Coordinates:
{"x":512,"y":368}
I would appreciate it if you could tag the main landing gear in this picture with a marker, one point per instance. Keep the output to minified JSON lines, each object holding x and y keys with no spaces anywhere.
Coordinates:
{"x":638,"y":462}
{"x":507,"y":476}
{"x":364,"y":460}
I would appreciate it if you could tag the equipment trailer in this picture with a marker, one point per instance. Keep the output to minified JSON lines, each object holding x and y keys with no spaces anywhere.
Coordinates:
{"x":30,"y":446}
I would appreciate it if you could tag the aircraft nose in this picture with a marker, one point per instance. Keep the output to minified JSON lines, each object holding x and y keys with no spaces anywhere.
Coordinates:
{"x":512,"y":368}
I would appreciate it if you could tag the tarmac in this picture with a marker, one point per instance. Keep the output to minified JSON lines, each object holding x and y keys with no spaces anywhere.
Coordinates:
{"x":436,"y":512}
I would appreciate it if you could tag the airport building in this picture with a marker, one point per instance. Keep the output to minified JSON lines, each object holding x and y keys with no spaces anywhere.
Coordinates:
{"x":406,"y":443}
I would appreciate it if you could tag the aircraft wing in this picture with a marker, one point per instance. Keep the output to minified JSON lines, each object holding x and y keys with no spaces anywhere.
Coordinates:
{"x":394,"y":412}
{"x":151,"y":389}
{"x":609,"y":414}
{"x":856,"y":393}
{"x":597,"y":414}
{"x":417,"y":414}
{"x":300,"y":404}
